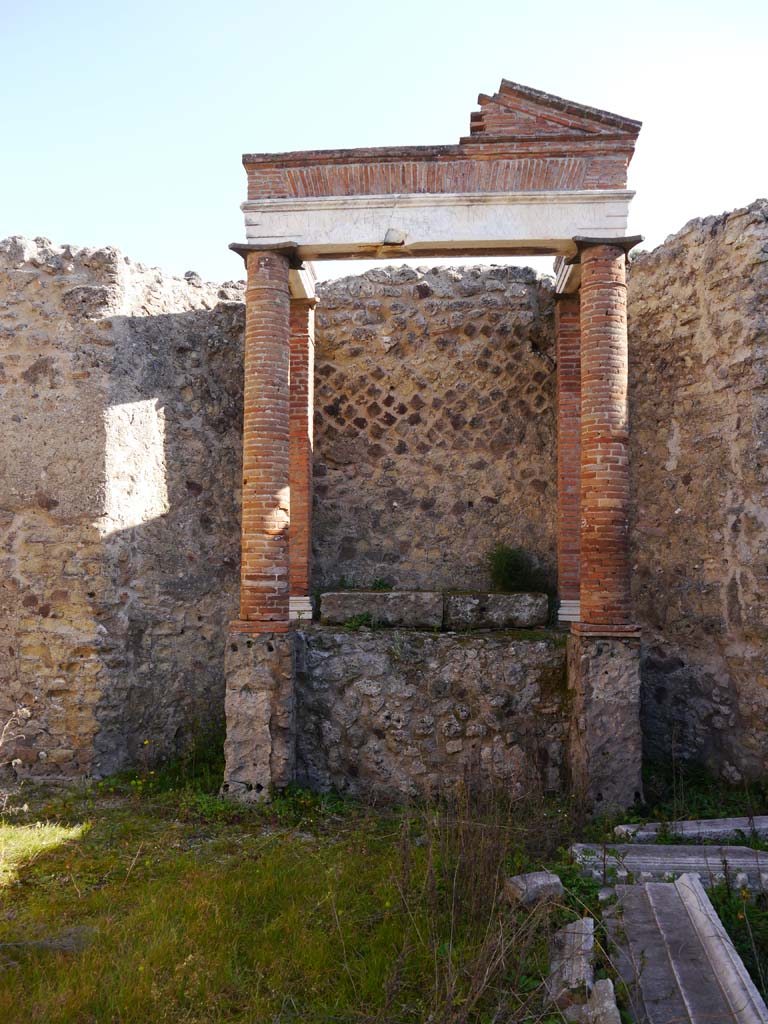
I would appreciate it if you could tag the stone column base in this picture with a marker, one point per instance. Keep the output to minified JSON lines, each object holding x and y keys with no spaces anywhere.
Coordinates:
{"x":605,"y":745}
{"x":261,"y":738}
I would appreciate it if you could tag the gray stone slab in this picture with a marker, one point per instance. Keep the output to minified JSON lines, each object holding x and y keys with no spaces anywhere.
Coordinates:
{"x":629,"y":862}
{"x":571,"y":974}
{"x":496,"y":611}
{"x":533,"y":887}
{"x":677,"y":959}
{"x":697,"y":830}
{"x":408,"y":608}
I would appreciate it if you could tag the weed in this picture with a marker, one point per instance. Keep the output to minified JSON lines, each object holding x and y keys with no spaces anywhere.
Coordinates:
{"x":355,"y":622}
{"x":381,"y":584}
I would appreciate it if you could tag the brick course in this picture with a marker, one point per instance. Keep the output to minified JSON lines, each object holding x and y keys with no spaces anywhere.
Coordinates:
{"x":605,"y":596}
{"x":302,"y":343}
{"x":568,"y":339}
{"x":266,"y":505}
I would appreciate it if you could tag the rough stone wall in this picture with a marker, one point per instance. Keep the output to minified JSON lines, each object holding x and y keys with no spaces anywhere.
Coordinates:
{"x":400,"y":712}
{"x":698,"y":320}
{"x":434,"y":425}
{"x":119,"y":535}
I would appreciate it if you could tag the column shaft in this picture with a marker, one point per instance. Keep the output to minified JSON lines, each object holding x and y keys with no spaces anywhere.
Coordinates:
{"x":302,"y":342}
{"x":605,"y":595}
{"x":568,"y":340}
{"x":266,"y":506}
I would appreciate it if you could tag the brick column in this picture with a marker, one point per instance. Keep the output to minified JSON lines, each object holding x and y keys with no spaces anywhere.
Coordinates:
{"x":605,"y":596}
{"x":302,"y":343}
{"x":568,"y":340}
{"x":266,"y":509}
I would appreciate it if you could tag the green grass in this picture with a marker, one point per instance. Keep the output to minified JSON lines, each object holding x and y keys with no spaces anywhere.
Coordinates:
{"x":313,"y":908}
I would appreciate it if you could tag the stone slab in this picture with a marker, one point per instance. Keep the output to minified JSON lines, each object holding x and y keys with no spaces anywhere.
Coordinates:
{"x":677,"y":960}
{"x":571,"y":974}
{"x":496,"y":611}
{"x":696,"y":830}
{"x":627,"y":861}
{"x":417,"y":609}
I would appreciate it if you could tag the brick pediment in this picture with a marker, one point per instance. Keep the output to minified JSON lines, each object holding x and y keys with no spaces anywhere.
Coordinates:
{"x":519,"y":112}
{"x":522,"y":140}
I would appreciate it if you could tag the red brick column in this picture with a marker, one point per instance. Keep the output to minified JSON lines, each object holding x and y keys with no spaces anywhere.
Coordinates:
{"x":301,"y":413}
{"x":568,"y":340}
{"x":605,"y":597}
{"x":266,"y":508}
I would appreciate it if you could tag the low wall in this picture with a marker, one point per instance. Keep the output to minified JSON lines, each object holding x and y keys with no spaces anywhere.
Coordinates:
{"x":397,"y":712}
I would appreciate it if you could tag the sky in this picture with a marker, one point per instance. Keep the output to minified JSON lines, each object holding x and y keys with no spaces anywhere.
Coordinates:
{"x":124,"y":123}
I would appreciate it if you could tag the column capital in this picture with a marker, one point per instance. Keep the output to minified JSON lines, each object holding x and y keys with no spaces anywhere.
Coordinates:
{"x":583,"y":242}
{"x":287,"y":249}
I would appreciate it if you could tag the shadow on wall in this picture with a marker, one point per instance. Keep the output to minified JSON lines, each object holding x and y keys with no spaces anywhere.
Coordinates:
{"x":120,"y":520}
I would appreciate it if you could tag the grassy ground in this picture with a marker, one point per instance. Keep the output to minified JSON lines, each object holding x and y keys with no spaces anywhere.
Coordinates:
{"x":147,"y":899}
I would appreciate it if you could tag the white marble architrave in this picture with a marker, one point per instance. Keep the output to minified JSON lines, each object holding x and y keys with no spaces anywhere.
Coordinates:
{"x":449,"y":223}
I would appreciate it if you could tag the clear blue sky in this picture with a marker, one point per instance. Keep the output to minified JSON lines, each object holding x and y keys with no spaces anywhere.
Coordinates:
{"x":124,"y":123}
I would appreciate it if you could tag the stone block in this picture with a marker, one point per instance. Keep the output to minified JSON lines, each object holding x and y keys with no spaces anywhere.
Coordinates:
{"x":605,"y":746}
{"x":259,"y":704}
{"x":571,"y":974}
{"x":496,"y":611}
{"x":409,"y":608}
{"x":533,"y":888}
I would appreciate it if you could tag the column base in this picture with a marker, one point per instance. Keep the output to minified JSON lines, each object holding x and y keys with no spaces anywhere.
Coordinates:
{"x":605,"y":740}
{"x":569,"y":611}
{"x":630,"y":631}
{"x":260,"y":748}
{"x":300,"y":609}
{"x":256,"y":627}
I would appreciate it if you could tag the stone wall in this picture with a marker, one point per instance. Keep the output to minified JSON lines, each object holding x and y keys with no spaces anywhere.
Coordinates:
{"x":400,"y":712}
{"x":698,"y":320}
{"x":119,"y":521}
{"x":434,"y":425}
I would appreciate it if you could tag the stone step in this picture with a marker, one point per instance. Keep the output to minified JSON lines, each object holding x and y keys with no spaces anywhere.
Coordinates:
{"x":698,"y":830}
{"x":617,"y":861}
{"x":677,"y":959}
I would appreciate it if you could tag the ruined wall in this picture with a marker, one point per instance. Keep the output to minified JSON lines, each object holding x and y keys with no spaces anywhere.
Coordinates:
{"x":698,"y":308}
{"x":434,"y":425}
{"x":400,"y":712}
{"x":119,"y":548}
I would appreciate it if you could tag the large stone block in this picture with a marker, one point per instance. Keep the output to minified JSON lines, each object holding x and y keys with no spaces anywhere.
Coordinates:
{"x":412,"y":608}
{"x":260,"y":709}
{"x":605,"y":746}
{"x":496,"y":611}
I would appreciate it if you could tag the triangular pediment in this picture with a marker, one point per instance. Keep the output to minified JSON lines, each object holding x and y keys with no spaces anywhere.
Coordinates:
{"x":516,"y":111}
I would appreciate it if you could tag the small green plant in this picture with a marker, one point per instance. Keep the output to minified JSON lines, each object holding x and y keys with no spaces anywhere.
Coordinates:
{"x":380,"y":584}
{"x":359,"y":621}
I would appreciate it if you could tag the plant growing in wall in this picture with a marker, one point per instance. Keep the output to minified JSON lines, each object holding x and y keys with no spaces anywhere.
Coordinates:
{"x":512,"y":570}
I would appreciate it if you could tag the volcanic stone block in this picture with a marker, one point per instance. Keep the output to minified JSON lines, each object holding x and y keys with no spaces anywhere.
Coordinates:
{"x":408,"y":608}
{"x":605,"y":738}
{"x":260,"y":709}
{"x":496,"y":611}
{"x":533,"y":887}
